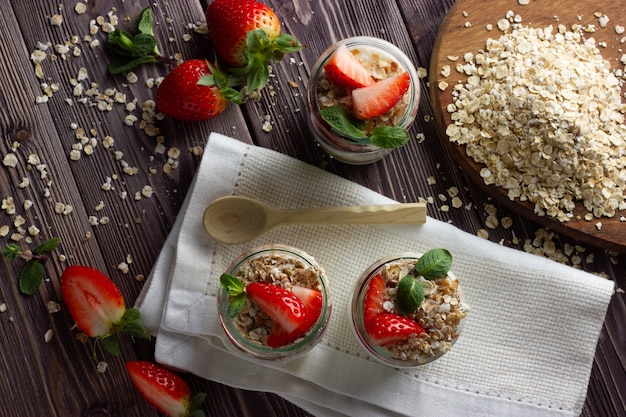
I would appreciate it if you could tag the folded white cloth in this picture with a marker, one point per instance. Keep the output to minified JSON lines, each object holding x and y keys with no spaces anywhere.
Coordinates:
{"x":527,"y":345}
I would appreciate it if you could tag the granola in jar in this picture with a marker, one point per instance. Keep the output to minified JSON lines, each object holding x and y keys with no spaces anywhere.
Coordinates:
{"x":401,"y":338}
{"x":274,"y":302}
{"x":382,"y":62}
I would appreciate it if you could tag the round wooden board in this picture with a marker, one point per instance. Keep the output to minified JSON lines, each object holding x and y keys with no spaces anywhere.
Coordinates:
{"x":465,"y":30}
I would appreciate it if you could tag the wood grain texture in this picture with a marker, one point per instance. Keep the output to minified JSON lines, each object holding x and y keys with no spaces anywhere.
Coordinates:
{"x":59,"y":378}
{"x":456,"y":39}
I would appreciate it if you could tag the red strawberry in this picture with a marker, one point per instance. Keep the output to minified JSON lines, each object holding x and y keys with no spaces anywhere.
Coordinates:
{"x":312,"y":300}
{"x":377,"y":99}
{"x":280,"y":304}
{"x":345,"y":70}
{"x":374,"y":298}
{"x":194,"y":90}
{"x":246,"y":34}
{"x":97,"y":306}
{"x":165,"y":390}
{"x":387,"y":328}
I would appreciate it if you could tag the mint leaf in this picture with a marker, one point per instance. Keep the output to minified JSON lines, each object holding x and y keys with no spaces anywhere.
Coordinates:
{"x":11,"y":251}
{"x":409,"y":295}
{"x":342,"y":122}
{"x":47,"y":246}
{"x":232,"y":285}
{"x":30,"y":277}
{"x":389,"y":137}
{"x":236,"y":304}
{"x":434,"y":264}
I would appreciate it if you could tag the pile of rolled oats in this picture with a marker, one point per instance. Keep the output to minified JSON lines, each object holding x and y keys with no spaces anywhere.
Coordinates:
{"x":276,"y":269}
{"x":440,"y":314}
{"x":542,"y":112}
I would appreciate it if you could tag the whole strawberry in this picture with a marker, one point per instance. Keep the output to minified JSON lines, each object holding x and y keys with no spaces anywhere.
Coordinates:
{"x":246,"y":35}
{"x":195,"y":90}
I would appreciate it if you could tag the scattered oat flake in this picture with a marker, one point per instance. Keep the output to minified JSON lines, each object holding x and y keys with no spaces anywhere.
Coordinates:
{"x":102,"y":367}
{"x":48,"y":335}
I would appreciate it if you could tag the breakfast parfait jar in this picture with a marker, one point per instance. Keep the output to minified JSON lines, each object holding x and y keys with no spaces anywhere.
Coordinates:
{"x":274,"y":302}
{"x":407,"y":309}
{"x":358,"y":85}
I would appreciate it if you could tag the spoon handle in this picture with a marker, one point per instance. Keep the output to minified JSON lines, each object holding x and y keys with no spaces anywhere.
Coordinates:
{"x":409,"y":213}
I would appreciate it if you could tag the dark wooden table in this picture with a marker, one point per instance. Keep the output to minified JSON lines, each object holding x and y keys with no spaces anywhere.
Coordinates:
{"x":57,"y":377}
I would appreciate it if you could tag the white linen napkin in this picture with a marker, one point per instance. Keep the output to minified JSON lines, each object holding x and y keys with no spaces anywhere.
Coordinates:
{"x":527,"y":345}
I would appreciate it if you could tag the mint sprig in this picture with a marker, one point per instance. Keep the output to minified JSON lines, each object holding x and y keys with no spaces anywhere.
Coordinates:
{"x":236,"y":290}
{"x":345,"y":124}
{"x":433,"y":264}
{"x":32,"y":273}
{"x":131,"y":50}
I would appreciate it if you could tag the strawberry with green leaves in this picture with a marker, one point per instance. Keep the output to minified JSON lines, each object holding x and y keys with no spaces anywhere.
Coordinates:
{"x":165,"y":390}
{"x":246,"y":34}
{"x":195,"y":90}
{"x":98,"y":308}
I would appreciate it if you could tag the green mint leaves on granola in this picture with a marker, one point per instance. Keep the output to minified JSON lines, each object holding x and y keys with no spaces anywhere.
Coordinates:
{"x":435,"y":263}
{"x":32,"y":273}
{"x":409,"y":295}
{"x":131,"y":50}
{"x":236,"y":290}
{"x":345,"y":124}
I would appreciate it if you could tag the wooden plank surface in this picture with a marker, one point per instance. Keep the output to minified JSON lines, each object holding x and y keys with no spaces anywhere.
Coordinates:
{"x":464,"y":30}
{"x":59,"y":378}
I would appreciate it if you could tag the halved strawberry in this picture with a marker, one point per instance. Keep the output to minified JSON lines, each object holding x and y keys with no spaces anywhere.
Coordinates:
{"x":97,"y":306}
{"x":312,"y":300}
{"x":281,"y":305}
{"x":374,"y":298}
{"x":377,"y":99}
{"x":388,"y":328}
{"x":345,"y":70}
{"x":165,"y":390}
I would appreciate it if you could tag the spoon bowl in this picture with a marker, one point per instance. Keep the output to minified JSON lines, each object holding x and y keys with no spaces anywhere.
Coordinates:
{"x":236,"y":219}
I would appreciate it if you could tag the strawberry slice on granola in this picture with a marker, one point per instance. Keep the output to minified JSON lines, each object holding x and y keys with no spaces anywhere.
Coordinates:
{"x":377,"y":99}
{"x":312,"y":301}
{"x":345,"y":70}
{"x":387,"y":328}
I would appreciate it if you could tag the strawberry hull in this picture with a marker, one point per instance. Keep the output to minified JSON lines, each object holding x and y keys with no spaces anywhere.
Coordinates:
{"x":275,"y":322}
{"x":381,"y":60}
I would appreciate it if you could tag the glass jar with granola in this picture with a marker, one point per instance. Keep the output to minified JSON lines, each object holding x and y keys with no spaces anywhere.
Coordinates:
{"x":407,"y":309}
{"x":274,"y":302}
{"x":362,"y":97}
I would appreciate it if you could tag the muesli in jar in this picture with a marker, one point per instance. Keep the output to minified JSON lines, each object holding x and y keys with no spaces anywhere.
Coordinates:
{"x":274,"y":302}
{"x":407,"y":309}
{"x":362,"y":98}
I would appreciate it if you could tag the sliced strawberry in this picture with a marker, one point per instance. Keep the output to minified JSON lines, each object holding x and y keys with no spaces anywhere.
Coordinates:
{"x":280,"y":304}
{"x":97,"y":306}
{"x":377,"y":99}
{"x":165,"y":390}
{"x":312,"y":300}
{"x":345,"y":70}
{"x":387,"y":328}
{"x":374,"y":298}
{"x":93,"y":300}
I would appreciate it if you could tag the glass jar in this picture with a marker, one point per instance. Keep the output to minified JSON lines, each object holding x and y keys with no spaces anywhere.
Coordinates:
{"x":410,"y":353}
{"x":340,"y":147}
{"x":255,"y":347}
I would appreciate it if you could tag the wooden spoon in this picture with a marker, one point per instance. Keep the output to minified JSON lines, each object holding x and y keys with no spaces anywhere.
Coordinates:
{"x":235,"y":219}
